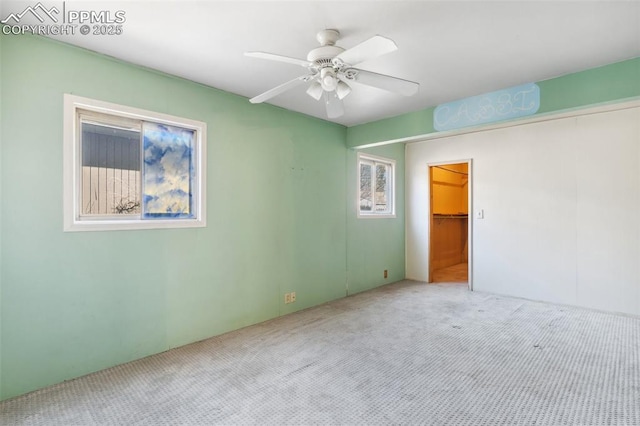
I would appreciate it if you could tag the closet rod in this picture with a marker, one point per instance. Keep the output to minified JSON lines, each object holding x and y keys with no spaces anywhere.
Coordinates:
{"x":452,"y":171}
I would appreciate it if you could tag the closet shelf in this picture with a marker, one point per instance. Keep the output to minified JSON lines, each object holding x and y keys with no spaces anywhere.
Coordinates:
{"x":450,"y":216}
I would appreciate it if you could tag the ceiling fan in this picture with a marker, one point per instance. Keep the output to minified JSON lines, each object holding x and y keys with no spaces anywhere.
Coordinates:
{"x":332,"y":70}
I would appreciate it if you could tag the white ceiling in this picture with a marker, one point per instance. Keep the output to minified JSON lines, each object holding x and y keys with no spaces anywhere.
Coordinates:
{"x":454,"y":49}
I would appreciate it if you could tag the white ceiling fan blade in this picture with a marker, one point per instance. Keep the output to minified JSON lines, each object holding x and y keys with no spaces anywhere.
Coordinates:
{"x":385,"y":82}
{"x":280,"y":89}
{"x":368,"y":49}
{"x":279,"y":58}
{"x":335,"y":107}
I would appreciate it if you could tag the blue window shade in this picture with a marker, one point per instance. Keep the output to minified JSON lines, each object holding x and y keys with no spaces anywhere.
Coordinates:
{"x":168,"y":172}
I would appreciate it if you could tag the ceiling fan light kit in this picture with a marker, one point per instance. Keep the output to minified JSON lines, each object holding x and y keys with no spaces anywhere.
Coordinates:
{"x":332,"y":69}
{"x":342,"y":90}
{"x":315,"y":90}
{"x":328,"y":79}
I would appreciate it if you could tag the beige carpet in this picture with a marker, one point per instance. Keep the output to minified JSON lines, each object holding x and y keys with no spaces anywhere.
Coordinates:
{"x":407,"y":353}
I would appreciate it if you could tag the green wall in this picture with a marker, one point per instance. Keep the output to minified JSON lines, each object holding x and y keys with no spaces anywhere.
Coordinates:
{"x":74,"y":303}
{"x":1,"y":203}
{"x":373,"y":244}
{"x":603,"y":84}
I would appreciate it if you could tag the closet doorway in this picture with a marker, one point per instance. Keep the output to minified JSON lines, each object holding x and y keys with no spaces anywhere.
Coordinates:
{"x":449,"y":218}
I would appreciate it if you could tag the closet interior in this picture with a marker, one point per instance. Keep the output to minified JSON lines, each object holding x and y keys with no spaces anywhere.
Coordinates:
{"x":449,"y":254}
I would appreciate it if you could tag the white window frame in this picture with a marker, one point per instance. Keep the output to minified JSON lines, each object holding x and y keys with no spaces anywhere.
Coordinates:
{"x":72,"y":166}
{"x":392,"y":187}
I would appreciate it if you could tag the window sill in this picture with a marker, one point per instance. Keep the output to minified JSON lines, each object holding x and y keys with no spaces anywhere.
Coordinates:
{"x":376,"y":216}
{"x":123,"y":225}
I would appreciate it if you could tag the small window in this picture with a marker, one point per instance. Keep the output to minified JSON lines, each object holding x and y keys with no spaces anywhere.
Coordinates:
{"x":126,"y":168}
{"x":376,"y":186}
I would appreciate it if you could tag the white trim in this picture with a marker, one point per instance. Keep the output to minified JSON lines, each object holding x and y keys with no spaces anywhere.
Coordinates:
{"x":71,"y":160}
{"x":392,"y":187}
{"x":632,"y":102}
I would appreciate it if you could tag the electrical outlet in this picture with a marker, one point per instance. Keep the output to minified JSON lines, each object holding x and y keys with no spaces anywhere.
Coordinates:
{"x":287,"y":298}
{"x":386,"y":273}
{"x":293,"y":296}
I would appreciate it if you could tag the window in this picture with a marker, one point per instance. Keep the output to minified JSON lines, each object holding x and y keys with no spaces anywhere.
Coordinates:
{"x":126,"y":168}
{"x":376,"y":186}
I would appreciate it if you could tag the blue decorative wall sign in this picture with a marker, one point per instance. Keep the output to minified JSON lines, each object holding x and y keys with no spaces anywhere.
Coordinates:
{"x":518,"y":101}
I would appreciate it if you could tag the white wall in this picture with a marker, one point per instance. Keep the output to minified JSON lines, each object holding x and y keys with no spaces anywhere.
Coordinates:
{"x":561,"y":201}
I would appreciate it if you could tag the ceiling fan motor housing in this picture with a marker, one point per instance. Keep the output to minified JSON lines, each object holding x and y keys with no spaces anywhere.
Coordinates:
{"x":322,"y":56}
